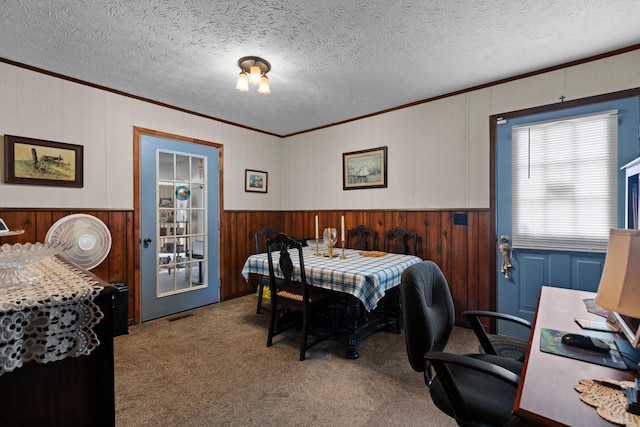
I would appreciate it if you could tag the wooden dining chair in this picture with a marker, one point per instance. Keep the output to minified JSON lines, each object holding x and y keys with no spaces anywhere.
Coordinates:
{"x":401,"y":240}
{"x":362,"y":238}
{"x":289,"y":293}
{"x":261,"y":238}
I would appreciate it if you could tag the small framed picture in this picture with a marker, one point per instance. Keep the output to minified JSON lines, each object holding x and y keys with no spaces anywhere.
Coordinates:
{"x":38,"y":162}
{"x":364,"y":169}
{"x":166,"y":202}
{"x":255,"y":181}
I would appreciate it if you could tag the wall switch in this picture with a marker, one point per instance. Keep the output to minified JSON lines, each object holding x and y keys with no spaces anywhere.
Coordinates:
{"x":460,"y":219}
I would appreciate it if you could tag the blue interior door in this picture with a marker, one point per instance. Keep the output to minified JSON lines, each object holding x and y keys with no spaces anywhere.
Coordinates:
{"x":179,"y":226}
{"x":532,"y":269}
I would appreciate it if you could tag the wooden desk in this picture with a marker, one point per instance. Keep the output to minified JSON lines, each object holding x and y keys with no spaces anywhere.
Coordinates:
{"x":545,"y":393}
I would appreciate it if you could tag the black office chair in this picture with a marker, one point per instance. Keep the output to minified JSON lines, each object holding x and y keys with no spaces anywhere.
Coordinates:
{"x":363,"y":238}
{"x":401,"y":240}
{"x":261,"y":238}
{"x":476,"y":389}
{"x":296,"y":294}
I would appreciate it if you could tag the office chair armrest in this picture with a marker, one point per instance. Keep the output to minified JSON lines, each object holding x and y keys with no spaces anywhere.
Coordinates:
{"x":473,"y":316}
{"x":440,"y":359}
{"x":500,"y":316}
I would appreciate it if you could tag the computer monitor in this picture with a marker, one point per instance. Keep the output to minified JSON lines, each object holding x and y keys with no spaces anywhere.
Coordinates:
{"x":628,"y":347}
{"x":619,"y":291}
{"x":629,"y":328}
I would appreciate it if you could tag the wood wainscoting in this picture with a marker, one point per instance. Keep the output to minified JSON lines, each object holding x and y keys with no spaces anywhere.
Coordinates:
{"x":460,"y":242}
{"x":117,"y":267}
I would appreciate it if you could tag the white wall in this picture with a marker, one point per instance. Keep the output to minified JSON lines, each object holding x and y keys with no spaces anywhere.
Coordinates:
{"x":39,"y":106}
{"x":438,"y":154}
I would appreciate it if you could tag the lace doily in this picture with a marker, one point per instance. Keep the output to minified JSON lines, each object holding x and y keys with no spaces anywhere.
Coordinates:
{"x":610,"y":403}
{"x":48,"y":320}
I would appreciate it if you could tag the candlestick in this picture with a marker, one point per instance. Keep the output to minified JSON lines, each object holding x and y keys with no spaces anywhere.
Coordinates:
{"x":342,"y":257}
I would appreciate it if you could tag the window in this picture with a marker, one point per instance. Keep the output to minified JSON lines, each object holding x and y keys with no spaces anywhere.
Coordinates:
{"x":564,"y":183}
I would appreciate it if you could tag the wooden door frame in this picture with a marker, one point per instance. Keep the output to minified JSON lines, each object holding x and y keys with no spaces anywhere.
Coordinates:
{"x":137,"y":132}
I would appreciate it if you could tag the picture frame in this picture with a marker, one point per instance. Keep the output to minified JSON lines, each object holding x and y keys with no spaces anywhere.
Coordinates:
{"x":39,"y":162}
{"x":255,"y":181}
{"x":364,"y":169}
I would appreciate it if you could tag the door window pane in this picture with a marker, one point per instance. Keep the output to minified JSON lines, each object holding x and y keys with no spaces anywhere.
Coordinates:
{"x":564,"y":183}
{"x":181,"y":226}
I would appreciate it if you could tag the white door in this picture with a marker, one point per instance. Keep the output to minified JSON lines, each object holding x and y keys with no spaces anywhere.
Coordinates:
{"x":179,"y":267}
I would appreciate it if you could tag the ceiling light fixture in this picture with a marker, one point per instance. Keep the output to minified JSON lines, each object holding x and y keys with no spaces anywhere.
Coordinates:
{"x":254,"y":71}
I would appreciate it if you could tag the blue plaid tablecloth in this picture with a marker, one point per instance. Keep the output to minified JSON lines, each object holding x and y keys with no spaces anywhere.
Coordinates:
{"x":366,"y":278}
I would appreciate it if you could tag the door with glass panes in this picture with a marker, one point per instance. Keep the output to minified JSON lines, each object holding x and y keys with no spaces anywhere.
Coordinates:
{"x":179,"y":226}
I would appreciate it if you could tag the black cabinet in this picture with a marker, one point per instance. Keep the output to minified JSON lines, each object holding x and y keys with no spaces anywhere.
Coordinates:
{"x":76,"y":391}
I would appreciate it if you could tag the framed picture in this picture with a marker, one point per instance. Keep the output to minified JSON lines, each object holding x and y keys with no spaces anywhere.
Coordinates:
{"x":255,"y":181}
{"x":364,"y":169}
{"x":166,"y":202}
{"x":38,"y":162}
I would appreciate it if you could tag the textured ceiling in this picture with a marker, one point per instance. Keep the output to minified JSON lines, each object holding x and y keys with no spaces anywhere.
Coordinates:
{"x":332,"y":60}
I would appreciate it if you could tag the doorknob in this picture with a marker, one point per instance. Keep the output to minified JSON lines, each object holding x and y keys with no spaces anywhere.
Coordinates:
{"x":505,"y":250}
{"x":146,"y":242}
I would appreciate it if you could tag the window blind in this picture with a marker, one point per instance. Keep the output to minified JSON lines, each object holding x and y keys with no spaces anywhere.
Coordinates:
{"x":564,"y":183}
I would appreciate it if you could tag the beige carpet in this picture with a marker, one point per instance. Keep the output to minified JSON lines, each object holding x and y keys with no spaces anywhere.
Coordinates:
{"x":212,"y":368}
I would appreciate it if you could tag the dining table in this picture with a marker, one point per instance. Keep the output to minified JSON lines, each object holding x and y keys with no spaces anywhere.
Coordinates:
{"x":368,"y":279}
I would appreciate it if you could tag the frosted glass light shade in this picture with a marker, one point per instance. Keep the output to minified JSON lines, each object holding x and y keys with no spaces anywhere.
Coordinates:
{"x":243,"y":82}
{"x":254,"y":75}
{"x":264,"y":85}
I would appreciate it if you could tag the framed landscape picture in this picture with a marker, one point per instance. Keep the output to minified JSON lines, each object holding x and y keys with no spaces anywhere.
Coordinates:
{"x":255,"y":181}
{"x":39,"y":162}
{"x":364,"y":169}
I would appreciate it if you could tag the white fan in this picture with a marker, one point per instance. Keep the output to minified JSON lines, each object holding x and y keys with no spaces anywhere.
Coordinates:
{"x":89,"y":237}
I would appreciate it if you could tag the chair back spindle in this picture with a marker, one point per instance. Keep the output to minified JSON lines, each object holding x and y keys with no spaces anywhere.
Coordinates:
{"x":401,"y":240}
{"x":261,"y":238}
{"x":363,"y":238}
